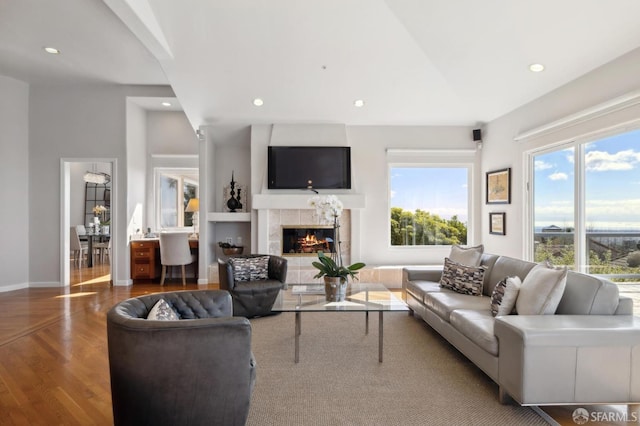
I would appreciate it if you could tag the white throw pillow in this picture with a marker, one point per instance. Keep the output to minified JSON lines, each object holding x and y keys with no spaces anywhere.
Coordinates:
{"x":162,"y":311}
{"x":541,"y":290}
{"x":504,"y":296}
{"x":470,"y":256}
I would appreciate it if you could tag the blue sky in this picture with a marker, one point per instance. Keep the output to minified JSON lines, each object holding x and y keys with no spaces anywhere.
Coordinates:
{"x":612,"y":184}
{"x":441,"y":191}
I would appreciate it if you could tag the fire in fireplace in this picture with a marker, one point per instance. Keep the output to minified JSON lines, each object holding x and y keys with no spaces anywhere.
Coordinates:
{"x":307,"y":240}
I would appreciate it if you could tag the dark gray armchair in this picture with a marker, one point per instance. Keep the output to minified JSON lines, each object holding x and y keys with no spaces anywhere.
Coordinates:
{"x":256,"y":297}
{"x":198,"y":370}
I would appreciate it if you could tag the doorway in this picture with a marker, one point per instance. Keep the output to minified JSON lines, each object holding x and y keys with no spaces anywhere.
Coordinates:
{"x":77,"y":174}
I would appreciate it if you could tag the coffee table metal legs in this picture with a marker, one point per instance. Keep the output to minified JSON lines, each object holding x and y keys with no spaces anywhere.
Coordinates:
{"x":298,"y":331}
{"x":380,"y":334}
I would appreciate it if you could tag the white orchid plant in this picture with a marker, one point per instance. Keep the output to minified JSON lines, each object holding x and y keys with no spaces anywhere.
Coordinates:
{"x":329,"y":208}
{"x":99,"y":209}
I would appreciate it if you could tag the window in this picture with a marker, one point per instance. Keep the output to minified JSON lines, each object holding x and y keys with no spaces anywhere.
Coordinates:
{"x":175,"y":188}
{"x":429,"y":205}
{"x":586,"y":199}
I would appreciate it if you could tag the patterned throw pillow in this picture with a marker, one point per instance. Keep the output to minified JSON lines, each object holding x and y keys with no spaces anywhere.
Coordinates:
{"x":250,"y":268}
{"x":162,"y":311}
{"x":461,"y":278}
{"x":504,"y":296}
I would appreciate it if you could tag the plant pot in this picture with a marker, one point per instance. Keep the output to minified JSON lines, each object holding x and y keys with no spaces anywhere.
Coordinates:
{"x":230,"y":251}
{"x":335,"y":288}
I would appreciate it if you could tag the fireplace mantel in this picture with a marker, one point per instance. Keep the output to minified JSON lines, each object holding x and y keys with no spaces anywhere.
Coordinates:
{"x":301,"y":201}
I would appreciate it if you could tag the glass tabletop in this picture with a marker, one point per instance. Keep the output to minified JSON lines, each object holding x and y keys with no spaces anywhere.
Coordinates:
{"x":361,"y":297}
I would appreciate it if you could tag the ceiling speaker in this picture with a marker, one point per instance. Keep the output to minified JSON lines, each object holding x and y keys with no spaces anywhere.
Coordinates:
{"x":477,"y":135}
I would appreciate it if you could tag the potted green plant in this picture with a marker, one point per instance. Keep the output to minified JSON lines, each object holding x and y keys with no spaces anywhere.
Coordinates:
{"x":335,"y":276}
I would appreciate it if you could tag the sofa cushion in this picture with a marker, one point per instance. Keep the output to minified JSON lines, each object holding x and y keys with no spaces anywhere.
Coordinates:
{"x":505,"y":294}
{"x":418,"y":288}
{"x":447,"y":301}
{"x":477,"y":326}
{"x":462,"y":278}
{"x":588,"y":295}
{"x":162,"y":311}
{"x":250,"y":268}
{"x":505,"y":266}
{"x":469,"y":256}
{"x":541,"y":290}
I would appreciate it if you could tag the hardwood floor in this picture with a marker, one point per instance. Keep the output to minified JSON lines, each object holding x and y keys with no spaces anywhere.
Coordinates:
{"x":53,"y":353}
{"x":53,"y":349}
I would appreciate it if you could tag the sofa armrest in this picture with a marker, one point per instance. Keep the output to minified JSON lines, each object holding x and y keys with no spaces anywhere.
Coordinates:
{"x":278,"y":269}
{"x":421,"y":273}
{"x":625,"y":306}
{"x":569,"y":359}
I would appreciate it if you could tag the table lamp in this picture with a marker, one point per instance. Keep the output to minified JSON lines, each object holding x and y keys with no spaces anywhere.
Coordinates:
{"x":193,"y":206}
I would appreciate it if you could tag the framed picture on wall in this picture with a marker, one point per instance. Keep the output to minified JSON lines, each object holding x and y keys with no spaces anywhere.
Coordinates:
{"x":499,"y":186}
{"x":497,"y":223}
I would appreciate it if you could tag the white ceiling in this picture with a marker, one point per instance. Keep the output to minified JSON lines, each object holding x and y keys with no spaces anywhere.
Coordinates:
{"x":446,"y":62}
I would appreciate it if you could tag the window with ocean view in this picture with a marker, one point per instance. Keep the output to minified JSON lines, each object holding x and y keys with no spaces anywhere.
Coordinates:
{"x":597,"y":232}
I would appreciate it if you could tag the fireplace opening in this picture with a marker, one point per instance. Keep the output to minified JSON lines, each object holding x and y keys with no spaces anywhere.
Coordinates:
{"x":307,"y":240}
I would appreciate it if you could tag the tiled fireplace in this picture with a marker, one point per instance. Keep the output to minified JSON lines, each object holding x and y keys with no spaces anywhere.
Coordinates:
{"x":307,"y":240}
{"x":275,"y":211}
{"x":305,"y":223}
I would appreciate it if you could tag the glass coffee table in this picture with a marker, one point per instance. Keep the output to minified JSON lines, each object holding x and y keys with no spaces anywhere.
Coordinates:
{"x":361,"y":297}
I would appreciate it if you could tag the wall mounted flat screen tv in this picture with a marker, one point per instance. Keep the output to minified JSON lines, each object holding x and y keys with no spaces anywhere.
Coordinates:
{"x":317,"y":167}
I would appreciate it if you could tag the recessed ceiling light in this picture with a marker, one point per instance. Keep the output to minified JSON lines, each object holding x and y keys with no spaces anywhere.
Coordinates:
{"x":358,"y":103}
{"x":51,"y":50}
{"x":167,"y":104}
{"x":536,"y":67}
{"x":258,"y":102}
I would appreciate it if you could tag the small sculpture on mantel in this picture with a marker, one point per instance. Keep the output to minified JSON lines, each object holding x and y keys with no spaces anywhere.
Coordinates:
{"x":233,"y":203}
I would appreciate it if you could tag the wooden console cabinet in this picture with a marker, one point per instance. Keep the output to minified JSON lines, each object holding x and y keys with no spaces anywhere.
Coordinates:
{"x":145,"y":258}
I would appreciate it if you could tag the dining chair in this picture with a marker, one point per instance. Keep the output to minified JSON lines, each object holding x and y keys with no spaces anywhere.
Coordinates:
{"x":103,"y":249}
{"x":79,"y":249}
{"x":82,"y":232}
{"x":175,"y":251}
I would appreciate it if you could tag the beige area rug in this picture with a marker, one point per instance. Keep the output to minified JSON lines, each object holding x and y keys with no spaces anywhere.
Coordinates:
{"x":339,"y":381}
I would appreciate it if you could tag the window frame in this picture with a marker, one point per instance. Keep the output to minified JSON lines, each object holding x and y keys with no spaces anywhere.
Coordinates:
{"x":184,"y":176}
{"x":436,"y":161}
{"x":579,"y":144}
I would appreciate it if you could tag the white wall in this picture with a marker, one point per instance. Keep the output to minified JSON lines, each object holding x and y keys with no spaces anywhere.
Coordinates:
{"x":136,"y":167}
{"x":14,"y":191}
{"x":91,"y":124}
{"x":500,"y":150}
{"x":171,"y":143}
{"x":370,"y":174}
{"x":369,"y":146}
{"x":170,"y":133}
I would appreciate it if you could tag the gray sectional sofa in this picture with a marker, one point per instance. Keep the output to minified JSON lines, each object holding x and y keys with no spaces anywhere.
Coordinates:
{"x":588,"y":352}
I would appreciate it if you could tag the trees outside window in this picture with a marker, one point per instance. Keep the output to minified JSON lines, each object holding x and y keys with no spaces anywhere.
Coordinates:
{"x":429,"y":205}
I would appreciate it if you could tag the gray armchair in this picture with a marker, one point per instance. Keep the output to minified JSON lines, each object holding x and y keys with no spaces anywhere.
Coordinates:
{"x":198,"y":370}
{"x":255,"y":297}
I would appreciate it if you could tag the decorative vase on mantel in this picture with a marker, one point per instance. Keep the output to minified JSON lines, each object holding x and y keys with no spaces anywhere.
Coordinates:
{"x":335,"y":288}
